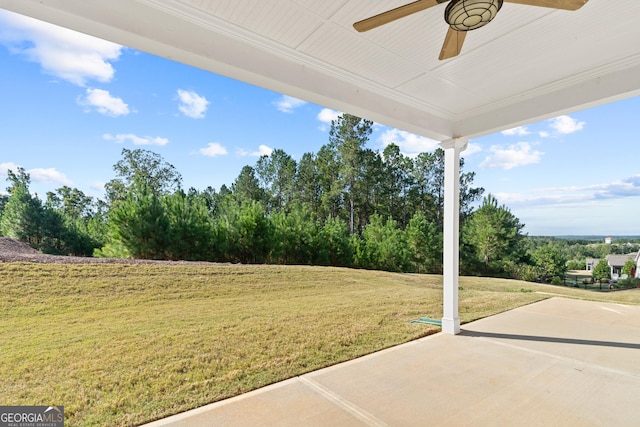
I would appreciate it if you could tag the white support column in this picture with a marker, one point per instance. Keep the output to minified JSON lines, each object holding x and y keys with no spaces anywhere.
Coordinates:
{"x":451,"y":249}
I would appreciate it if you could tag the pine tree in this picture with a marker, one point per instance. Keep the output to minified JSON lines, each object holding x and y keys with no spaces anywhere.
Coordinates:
{"x":22,"y":215}
{"x":190,"y":227}
{"x":246,"y":186}
{"x":308,"y":187}
{"x":141,"y":224}
{"x":335,"y":247}
{"x":424,"y":242}
{"x":494,"y":233}
{"x":349,"y":134}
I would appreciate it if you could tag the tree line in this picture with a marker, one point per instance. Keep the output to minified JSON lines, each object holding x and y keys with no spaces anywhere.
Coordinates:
{"x":346,"y":205}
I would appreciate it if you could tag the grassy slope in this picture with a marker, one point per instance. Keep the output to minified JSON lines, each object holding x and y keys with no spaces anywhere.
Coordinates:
{"x":126,"y":344}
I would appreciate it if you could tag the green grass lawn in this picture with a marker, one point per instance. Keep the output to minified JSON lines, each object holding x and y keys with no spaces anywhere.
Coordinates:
{"x":126,"y":344}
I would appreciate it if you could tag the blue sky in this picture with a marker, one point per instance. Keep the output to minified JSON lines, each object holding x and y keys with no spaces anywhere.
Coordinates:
{"x":71,"y":102}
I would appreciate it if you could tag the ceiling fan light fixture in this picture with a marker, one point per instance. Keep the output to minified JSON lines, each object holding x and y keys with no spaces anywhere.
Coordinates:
{"x":467,"y":15}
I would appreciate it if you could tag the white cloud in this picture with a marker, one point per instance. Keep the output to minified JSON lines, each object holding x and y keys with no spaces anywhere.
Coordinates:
{"x":326,"y":115}
{"x":213,"y":149}
{"x":575,"y":196}
{"x":263,"y":150}
{"x":5,"y":167}
{"x":519,"y":154}
{"x":544,"y":134}
{"x":287,"y":104}
{"x":191,"y":104}
{"x":42,"y":175}
{"x":519,"y":131}
{"x":97,"y":185}
{"x":565,"y":125}
{"x":543,"y":198}
{"x":135,"y":139}
{"x":49,"y":175}
{"x":104,"y":103}
{"x":409,"y":143}
{"x":628,"y":187}
{"x":472,"y":149}
{"x":63,"y":53}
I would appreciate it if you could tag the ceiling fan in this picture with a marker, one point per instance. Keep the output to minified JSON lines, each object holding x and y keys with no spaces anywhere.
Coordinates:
{"x":461,"y":15}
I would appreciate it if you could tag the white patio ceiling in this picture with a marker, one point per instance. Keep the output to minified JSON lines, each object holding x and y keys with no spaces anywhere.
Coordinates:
{"x":530,"y":63}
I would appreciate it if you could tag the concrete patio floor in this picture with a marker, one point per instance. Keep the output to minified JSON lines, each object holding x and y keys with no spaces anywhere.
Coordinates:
{"x":558,"y":362}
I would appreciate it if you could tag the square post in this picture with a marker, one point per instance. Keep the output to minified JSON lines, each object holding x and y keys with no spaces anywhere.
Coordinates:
{"x":451,"y":238}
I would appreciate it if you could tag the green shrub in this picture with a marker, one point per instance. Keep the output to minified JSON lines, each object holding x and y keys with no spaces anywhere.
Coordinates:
{"x":522,"y":271}
{"x":556,"y":281}
{"x":576,"y":265}
{"x":628,"y":283}
{"x":113,"y":249}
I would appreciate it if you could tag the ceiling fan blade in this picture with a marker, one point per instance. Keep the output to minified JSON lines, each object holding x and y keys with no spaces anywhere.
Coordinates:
{"x":393,"y":14}
{"x":452,"y":44}
{"x":555,"y":4}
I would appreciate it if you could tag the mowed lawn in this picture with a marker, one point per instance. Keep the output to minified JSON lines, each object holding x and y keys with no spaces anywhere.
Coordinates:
{"x":127,"y":344}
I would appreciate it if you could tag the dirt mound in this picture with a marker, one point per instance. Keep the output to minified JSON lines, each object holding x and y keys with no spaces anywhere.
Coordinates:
{"x":9,"y":245}
{"x":12,"y":250}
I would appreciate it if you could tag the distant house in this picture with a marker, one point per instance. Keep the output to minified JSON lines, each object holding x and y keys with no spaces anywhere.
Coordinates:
{"x":608,"y":240}
{"x":591,"y":263}
{"x":617,"y":262}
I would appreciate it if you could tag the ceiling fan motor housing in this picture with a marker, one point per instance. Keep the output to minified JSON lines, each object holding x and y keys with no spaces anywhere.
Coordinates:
{"x":467,"y":15}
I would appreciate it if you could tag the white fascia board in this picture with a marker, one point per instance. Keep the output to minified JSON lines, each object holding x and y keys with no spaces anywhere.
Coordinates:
{"x":609,"y":85}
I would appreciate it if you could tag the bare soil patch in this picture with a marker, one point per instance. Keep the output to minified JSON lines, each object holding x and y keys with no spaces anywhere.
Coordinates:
{"x":13,"y":250}
{"x":8,"y":244}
